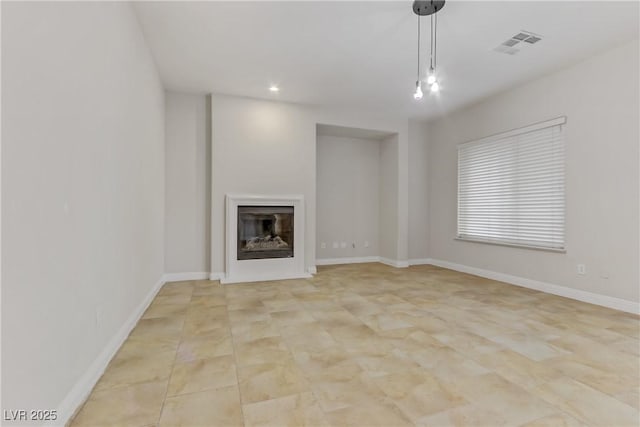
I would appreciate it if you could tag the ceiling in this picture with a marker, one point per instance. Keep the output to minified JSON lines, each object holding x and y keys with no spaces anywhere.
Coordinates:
{"x":363,"y":55}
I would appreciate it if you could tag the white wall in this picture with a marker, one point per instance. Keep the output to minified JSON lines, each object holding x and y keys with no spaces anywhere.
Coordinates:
{"x":389,"y":165}
{"x":264,"y":147}
{"x":82,"y":191}
{"x":600,"y":99}
{"x":418,"y":191}
{"x":348,"y":196}
{"x":188,"y":183}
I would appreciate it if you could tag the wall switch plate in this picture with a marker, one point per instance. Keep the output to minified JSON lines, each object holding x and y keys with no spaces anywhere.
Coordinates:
{"x":335,"y":245}
{"x":582,"y":269}
{"x":366,"y":243}
{"x":323,"y":245}
{"x":343,"y":245}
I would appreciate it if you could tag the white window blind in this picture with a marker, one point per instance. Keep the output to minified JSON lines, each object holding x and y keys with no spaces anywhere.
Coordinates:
{"x":511,"y":187}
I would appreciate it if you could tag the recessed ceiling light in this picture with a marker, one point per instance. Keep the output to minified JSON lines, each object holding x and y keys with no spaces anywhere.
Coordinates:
{"x":274,"y":88}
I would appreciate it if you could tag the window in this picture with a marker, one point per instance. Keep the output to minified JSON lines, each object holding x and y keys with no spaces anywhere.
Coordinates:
{"x":511,"y":187}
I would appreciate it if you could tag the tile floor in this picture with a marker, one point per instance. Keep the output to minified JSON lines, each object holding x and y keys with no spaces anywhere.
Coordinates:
{"x":370,"y":345}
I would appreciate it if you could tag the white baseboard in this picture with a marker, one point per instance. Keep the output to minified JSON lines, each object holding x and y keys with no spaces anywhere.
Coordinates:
{"x":420,"y":261}
{"x":80,"y":391}
{"x":394,"y":262}
{"x":216,"y":276}
{"x":576,"y":294}
{"x":352,"y":260}
{"x":179,"y":277}
{"x":264,"y":278}
{"x":360,"y":260}
{"x":312,"y":270}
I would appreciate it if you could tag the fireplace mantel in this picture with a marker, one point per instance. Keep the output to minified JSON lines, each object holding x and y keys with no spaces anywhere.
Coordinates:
{"x":253,"y":270}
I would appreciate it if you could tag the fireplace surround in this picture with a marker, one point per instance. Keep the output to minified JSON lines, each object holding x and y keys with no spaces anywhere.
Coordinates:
{"x":264,"y":238}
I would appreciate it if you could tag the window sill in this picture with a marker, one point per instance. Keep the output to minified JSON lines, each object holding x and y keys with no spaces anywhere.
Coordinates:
{"x":510,"y":245}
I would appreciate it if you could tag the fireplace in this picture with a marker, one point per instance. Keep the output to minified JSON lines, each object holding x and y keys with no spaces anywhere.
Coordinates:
{"x":264,"y":238}
{"x":265,"y":232}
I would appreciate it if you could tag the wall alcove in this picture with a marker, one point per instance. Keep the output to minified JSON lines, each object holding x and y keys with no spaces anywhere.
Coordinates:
{"x":356,"y":195}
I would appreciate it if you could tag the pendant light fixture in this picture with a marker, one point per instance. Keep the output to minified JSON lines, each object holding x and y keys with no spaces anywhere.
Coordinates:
{"x":418,"y":92}
{"x":428,"y":8}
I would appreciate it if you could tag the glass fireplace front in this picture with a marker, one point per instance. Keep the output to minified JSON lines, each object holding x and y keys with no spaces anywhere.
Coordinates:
{"x":265,"y":232}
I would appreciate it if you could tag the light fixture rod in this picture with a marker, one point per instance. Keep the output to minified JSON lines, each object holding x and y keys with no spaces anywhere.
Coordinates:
{"x":435,"y":40}
{"x":418,"y":76}
{"x":431,"y":43}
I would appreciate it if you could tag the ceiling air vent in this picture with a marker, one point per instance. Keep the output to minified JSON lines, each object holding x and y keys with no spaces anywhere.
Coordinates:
{"x":514,"y":44}
{"x":520,"y":36}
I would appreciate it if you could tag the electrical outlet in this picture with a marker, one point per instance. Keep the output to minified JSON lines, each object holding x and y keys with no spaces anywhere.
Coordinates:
{"x":582,"y":269}
{"x":323,"y":245}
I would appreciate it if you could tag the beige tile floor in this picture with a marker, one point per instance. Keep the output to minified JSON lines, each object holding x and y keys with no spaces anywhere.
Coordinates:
{"x":370,"y":345}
